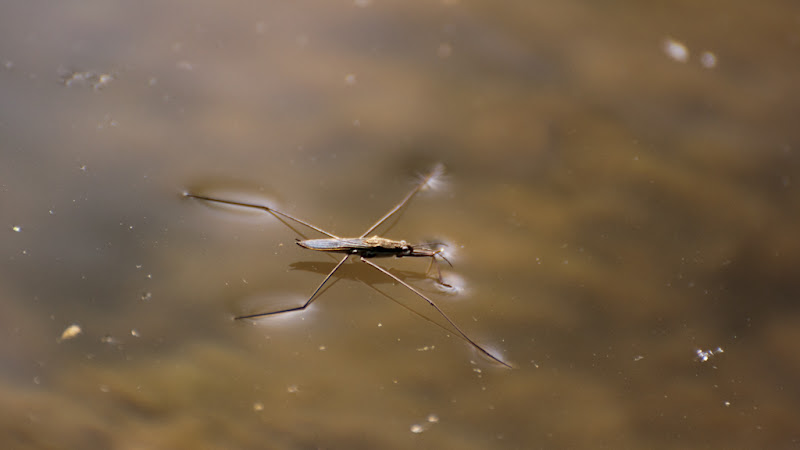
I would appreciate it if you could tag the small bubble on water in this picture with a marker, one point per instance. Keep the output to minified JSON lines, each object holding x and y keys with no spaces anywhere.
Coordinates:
{"x":708,"y":60}
{"x":146,"y":296}
{"x":417,"y":428}
{"x":292,"y":389}
{"x":258,"y":406}
{"x":16,"y":228}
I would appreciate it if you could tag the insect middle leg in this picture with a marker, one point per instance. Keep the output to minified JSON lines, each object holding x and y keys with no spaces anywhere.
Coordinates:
{"x":308,"y":302}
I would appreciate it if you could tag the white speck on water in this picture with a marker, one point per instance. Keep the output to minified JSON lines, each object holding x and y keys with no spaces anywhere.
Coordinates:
{"x":418,"y":428}
{"x":292,"y":389}
{"x":676,"y":50}
{"x":258,"y":406}
{"x":16,"y":228}
{"x":134,"y":332}
{"x":146,"y":296}
{"x":708,"y":60}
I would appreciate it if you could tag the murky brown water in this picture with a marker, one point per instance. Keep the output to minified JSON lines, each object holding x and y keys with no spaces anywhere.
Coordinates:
{"x":623,"y":223}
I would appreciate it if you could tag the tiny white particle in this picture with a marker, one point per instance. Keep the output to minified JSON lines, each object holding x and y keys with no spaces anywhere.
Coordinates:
{"x":708,"y":60}
{"x":676,"y":50}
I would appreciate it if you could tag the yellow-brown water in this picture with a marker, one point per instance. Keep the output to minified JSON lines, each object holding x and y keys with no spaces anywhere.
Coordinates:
{"x":623,"y":223}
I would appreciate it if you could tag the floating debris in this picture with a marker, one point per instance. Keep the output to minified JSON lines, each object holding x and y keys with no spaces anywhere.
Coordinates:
{"x":705,"y":355}
{"x":418,"y":428}
{"x":95,"y":80}
{"x":110,"y":340}
{"x":70,"y":332}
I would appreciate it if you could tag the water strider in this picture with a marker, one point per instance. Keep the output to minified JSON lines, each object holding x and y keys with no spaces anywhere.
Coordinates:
{"x":365,"y":248}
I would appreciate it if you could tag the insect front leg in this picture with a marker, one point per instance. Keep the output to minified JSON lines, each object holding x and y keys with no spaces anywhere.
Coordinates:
{"x":440,"y":279}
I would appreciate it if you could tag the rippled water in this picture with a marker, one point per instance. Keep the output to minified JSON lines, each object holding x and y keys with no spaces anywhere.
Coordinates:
{"x":620,"y":209}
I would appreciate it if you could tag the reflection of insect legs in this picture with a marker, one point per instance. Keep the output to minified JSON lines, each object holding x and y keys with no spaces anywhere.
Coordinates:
{"x":366,"y":248}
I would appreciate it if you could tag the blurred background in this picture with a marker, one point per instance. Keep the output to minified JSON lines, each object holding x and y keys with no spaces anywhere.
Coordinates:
{"x":620,"y":207}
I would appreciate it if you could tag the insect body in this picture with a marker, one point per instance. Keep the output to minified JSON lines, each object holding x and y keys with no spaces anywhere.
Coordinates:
{"x":371,"y":247}
{"x":365,"y":248}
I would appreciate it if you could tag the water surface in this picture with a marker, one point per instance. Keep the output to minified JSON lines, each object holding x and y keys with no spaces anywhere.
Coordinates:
{"x":620,"y":205}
